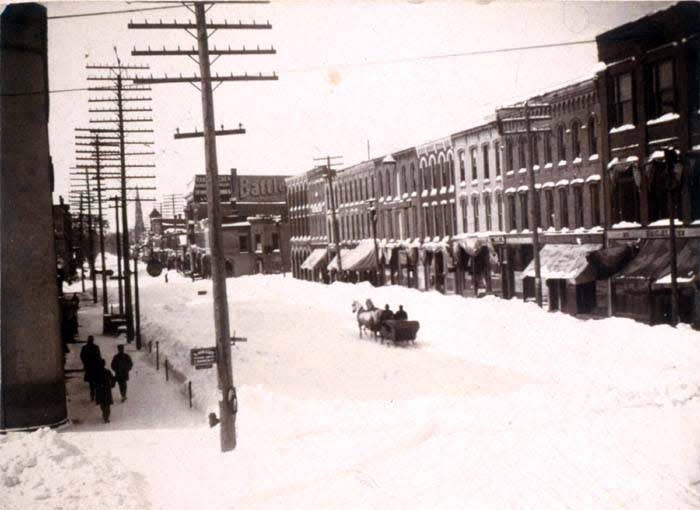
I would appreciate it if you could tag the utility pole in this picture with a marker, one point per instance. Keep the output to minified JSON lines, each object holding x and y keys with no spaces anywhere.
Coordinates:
{"x":334,"y":220}
{"x":518,"y":120}
{"x":119,"y":254}
{"x":82,"y":262}
{"x":120,"y":83}
{"x":534,"y":209}
{"x":228,"y":405}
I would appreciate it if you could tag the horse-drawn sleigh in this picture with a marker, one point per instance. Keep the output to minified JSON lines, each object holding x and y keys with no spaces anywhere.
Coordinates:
{"x":370,"y":318}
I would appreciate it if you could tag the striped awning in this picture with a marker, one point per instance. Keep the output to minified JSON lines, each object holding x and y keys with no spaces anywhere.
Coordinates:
{"x":564,"y":262}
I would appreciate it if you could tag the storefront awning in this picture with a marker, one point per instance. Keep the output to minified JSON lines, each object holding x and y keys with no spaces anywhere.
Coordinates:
{"x":609,"y":261}
{"x":360,"y":258}
{"x":564,"y":262}
{"x":315,"y":259}
{"x":653,"y":262}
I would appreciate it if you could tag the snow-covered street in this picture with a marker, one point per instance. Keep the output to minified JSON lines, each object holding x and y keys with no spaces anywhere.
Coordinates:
{"x":497,"y":405}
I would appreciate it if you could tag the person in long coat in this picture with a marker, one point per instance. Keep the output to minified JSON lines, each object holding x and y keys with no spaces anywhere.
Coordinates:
{"x":103,"y":390}
{"x":90,"y":356}
{"x":121,"y":365}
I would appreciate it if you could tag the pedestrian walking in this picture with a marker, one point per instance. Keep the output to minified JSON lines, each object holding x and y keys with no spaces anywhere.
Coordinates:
{"x":122,"y":365}
{"x":104,"y":383}
{"x":90,"y":356}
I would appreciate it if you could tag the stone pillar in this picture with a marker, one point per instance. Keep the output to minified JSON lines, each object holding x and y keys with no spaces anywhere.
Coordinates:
{"x":32,"y":389}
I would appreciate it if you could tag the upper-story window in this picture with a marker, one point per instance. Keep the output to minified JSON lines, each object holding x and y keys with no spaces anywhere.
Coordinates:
{"x":661,"y":92}
{"x":497,"y":154}
{"x":593,"y":188}
{"x":622,"y":100}
{"x":534,"y":149}
{"x":522,"y":144}
{"x":487,"y":211}
{"x":404,"y":184}
{"x":475,"y":212}
{"x":425,"y":170}
{"x":380,"y":185}
{"x":509,"y":156}
{"x":592,"y":137}
{"x":412,"y":171}
{"x":388,"y":183}
{"x":547,"y":147}
{"x":576,"y":139}
{"x":462,"y":167}
{"x":445,"y":172}
{"x":450,"y":169}
{"x":512,"y":215}
{"x":564,"y":206}
{"x":472,"y":157}
{"x":561,"y":143}
{"x":485,"y":156}
{"x":499,"y":207}
{"x":524,"y":209}
{"x":436,"y":174}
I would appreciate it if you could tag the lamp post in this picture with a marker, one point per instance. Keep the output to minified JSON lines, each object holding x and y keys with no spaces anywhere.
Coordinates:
{"x":372,"y":209}
{"x":673,"y":175}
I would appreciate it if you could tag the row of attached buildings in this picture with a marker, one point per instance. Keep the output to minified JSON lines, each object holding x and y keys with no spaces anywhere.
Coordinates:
{"x":603,"y":165}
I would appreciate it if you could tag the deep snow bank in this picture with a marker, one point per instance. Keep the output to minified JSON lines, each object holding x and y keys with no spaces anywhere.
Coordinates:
{"x":42,"y":470}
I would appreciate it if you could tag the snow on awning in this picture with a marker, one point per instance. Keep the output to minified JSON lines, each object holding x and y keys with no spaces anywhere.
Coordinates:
{"x":360,"y":258}
{"x":564,"y":262}
{"x":315,"y":259}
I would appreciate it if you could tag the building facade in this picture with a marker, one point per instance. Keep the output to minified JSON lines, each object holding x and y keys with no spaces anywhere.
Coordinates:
{"x":578,"y":169}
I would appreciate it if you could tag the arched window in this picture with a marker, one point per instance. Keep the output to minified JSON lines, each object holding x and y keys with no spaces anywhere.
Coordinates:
{"x":462,"y":167}
{"x":425,"y":173}
{"x":451,"y":170}
{"x":435,"y":170}
{"x":592,"y":137}
{"x":575,"y":139}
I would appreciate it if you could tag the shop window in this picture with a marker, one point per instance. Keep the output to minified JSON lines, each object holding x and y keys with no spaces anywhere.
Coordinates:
{"x":472,"y":157}
{"x":592,"y":137}
{"x":561,"y":142}
{"x":524,"y":209}
{"x":661,"y":90}
{"x":575,"y":139}
{"x":243,"y":244}
{"x":497,"y":154}
{"x":564,"y":206}
{"x":487,"y":211}
{"x":578,"y":206}
{"x":485,"y":156}
{"x":462,"y":167}
{"x":475,"y":212}
{"x":622,"y":98}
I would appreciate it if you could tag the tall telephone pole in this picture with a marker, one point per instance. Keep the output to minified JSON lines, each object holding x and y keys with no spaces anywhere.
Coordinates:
{"x":120,"y":83}
{"x":201,"y":55}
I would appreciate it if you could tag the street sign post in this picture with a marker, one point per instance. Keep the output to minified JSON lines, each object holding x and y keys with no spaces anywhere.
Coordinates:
{"x":203,"y":357}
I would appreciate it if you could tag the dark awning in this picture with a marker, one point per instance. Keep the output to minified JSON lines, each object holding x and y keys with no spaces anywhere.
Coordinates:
{"x":688,"y":264}
{"x":609,"y":261}
{"x":360,"y":258}
{"x":654,"y":260}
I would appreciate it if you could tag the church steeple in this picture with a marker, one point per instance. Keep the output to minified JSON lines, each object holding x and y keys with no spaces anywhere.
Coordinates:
{"x":139,"y":228}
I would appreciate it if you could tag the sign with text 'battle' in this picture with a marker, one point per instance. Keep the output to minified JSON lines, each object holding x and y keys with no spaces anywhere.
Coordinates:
{"x":260,"y":188}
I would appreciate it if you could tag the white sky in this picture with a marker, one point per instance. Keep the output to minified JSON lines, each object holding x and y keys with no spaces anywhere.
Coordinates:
{"x":340,"y":83}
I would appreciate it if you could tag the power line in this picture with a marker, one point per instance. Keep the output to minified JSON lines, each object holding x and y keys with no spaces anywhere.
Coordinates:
{"x":378,"y":62}
{"x":107,"y":13}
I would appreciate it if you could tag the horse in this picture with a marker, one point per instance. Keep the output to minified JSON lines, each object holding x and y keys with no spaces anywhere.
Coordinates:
{"x":367,"y":319}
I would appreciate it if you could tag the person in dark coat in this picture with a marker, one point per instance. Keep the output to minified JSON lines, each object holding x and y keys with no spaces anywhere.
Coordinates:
{"x":90,"y":356}
{"x":387,"y":314}
{"x":401,"y":314}
{"x":104,"y":382}
{"x":121,"y":365}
